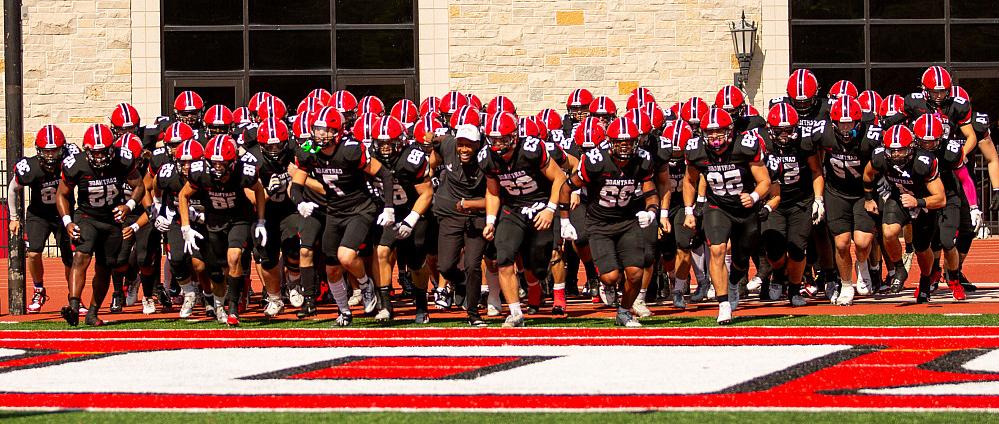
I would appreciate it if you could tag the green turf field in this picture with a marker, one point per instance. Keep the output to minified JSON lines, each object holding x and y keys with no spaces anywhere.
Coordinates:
{"x":783,"y":321}
{"x":505,"y":418}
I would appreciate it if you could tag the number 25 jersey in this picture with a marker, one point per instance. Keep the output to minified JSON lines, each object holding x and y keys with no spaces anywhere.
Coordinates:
{"x":728,"y":175}
{"x":99,"y":192}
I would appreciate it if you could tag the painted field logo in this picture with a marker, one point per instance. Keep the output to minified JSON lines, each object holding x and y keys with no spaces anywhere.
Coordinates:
{"x":793,"y":368}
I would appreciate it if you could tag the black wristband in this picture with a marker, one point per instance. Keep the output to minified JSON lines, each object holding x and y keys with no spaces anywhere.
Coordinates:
{"x":868,"y":195}
{"x":297,"y":193}
{"x":652,"y":208}
{"x":920,"y":202}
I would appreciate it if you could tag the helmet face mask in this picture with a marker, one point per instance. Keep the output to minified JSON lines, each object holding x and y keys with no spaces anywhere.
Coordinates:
{"x":504,"y":144}
{"x":847,"y":131}
{"x":604,"y":118}
{"x":189,"y":117}
{"x":624,"y":148}
{"x":50,"y":158}
{"x":185,"y":167}
{"x":930,"y":145}
{"x":784,"y":136}
{"x":387,"y":149}
{"x":936,"y":97}
{"x":900,"y":156}
{"x":214,"y":130}
{"x":718,"y":139}
{"x":100,"y":158}
{"x":274,"y":151}
{"x":324,"y":136}
{"x":803,"y":105}
{"x":220,"y":169}
{"x":579,"y":113}
{"x":120,"y":131}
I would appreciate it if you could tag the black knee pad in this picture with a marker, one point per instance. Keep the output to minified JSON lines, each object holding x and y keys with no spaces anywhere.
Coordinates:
{"x":181,"y":270}
{"x":795,"y":253}
{"x":964,"y":239}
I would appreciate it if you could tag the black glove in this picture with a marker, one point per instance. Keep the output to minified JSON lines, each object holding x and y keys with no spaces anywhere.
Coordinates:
{"x":699,"y":208}
{"x":764,"y":213}
{"x":995,"y":200}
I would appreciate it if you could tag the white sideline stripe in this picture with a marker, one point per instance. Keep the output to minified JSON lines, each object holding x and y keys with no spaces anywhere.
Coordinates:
{"x":733,"y":338}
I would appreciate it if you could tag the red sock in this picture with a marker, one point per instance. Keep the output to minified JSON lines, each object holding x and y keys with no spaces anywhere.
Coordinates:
{"x":559,"y":291}
{"x":534,"y":294}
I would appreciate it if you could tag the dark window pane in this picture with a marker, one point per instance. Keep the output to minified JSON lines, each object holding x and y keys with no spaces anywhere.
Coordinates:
{"x":292,"y":89}
{"x":374,"y":12}
{"x":827,"y":9}
{"x":289,"y":12}
{"x":828,"y":77}
{"x":389,"y":94}
{"x":283,"y":49}
{"x":974,"y":43}
{"x":974,"y":8}
{"x":374,"y":49}
{"x":203,"y":51}
{"x":211,"y":95}
{"x":910,"y":9}
{"x":981,"y":90}
{"x":907,"y":43}
{"x":827,"y":43}
{"x":203,"y":12}
{"x":899,"y":81}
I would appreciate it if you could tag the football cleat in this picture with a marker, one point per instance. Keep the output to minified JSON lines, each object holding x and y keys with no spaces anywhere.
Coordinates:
{"x":343,"y":320}
{"x":475,"y":320}
{"x":864,"y":285}
{"x":845,"y":297}
{"x":308,"y":308}
{"x":625,"y":319}
{"x":678,"y":301}
{"x":92,"y":319}
{"x":163,"y":297}
{"x":368,"y":297}
{"x":492,"y":310}
{"x":148,"y":306}
{"x":898,"y":280}
{"x":117,"y":301}
{"x":209,"y":306}
{"x":383,"y":315}
{"x":274,"y":307}
{"x":422,"y":317}
{"x":443,"y":298}
{"x":558,"y":311}
{"x":957,"y":290}
{"x":775,"y":290}
{"x":832,"y":291}
{"x":754,"y":284}
{"x":355,"y":298}
{"x":132,"y":293}
{"x":608,"y":295}
{"x":187,"y":308}
{"x":406,"y":282}
{"x":798,"y":300}
{"x":640,"y":308}
{"x":968,"y":287}
{"x":232,"y":320}
{"x":71,"y":313}
{"x":513,"y":321}
{"x":220,"y":316}
{"x":724,"y":313}
{"x":701,"y":293}
{"x":295,"y":296}
{"x":37,"y":300}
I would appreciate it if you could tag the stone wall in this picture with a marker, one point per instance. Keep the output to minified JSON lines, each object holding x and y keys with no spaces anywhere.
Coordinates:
{"x":77,"y":63}
{"x":536,"y":52}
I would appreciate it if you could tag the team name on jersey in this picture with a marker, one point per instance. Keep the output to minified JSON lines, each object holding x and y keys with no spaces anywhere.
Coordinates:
{"x":721,"y":167}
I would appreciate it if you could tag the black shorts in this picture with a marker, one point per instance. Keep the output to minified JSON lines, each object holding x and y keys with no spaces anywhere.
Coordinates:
{"x":686,"y":239}
{"x":221,"y":238}
{"x":310,"y":229}
{"x":650,"y":237}
{"x":410,"y":251}
{"x":846,"y":214}
{"x":148,"y":245}
{"x":515,"y":235}
{"x":350,"y":231}
{"x":101,"y":239}
{"x":786,"y":231}
{"x":577,"y":217}
{"x":743,"y":230}
{"x":948,"y":223}
{"x":282,"y":238}
{"x":924,"y":224}
{"x":617,"y":246}
{"x":36,"y":234}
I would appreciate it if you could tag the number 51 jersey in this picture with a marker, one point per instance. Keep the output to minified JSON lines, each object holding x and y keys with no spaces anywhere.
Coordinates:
{"x":728,"y":175}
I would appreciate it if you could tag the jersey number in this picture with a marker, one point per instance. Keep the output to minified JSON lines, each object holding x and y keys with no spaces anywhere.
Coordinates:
{"x":841,"y":167}
{"x":330,"y":181}
{"x":616,"y":196}
{"x":524,"y":184}
{"x":792,"y":173}
{"x":101,"y":196}
{"x":48,"y":195}
{"x":223,"y":202}
{"x":728,"y":183}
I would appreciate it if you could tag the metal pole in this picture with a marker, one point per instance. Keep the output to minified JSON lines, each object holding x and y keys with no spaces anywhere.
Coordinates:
{"x":15,"y":145}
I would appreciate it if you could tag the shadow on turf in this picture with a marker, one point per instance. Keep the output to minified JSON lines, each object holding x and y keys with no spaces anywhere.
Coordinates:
{"x":9,"y":415}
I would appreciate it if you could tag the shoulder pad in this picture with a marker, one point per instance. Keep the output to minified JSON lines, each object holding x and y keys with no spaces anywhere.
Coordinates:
{"x":878,"y":159}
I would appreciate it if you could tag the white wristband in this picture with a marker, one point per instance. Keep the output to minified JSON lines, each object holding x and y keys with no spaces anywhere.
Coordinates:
{"x":412,"y":218}
{"x":490,"y":219}
{"x":262,"y":222}
{"x":768,"y":208}
{"x":131,"y":204}
{"x":688,"y":210}
{"x":553,"y":206}
{"x":664,"y":213}
{"x":66,"y":220}
{"x":134,"y":227}
{"x":701,"y":199}
{"x":754,"y":196}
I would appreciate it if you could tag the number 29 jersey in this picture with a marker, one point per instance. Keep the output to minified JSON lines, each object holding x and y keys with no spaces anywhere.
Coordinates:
{"x":522,"y":180}
{"x":728,"y":175}
{"x":616,"y":191}
{"x":99,"y":192}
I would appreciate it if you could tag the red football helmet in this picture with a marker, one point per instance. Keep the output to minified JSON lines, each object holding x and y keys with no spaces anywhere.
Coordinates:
{"x":388,"y":137}
{"x":310,"y":105}
{"x":372,"y":105}
{"x":802,"y":86}
{"x":188,"y":152}
{"x":257,"y":99}
{"x":750,"y":110}
{"x":501,"y":132}
{"x":130,"y":142}
{"x":936,"y":84}
{"x":364,"y":127}
{"x":272,"y":107}
{"x":730,"y":98}
{"x":241,"y":116}
{"x":655,"y":114}
{"x":124,"y":118}
{"x":429,"y":105}
{"x":589,"y":134}
{"x":322,"y":95}
{"x":542,"y":129}
{"x":846,"y":115}
{"x":327,"y":126}
{"x":674,"y":111}
{"x":405,"y":111}
{"x":928,"y":129}
{"x":958,"y":91}
{"x":218,"y":120}
{"x":474,"y":101}
{"x":898,"y":144}
{"x":345,"y":103}
{"x":527,"y":128}
{"x":782,"y":122}
{"x":451,"y":103}
{"x":550,"y":119}
{"x":425,"y":132}
{"x":221,"y":155}
{"x":869,"y":101}
{"x":187,"y":108}
{"x":603,"y":108}
{"x":466,"y":115}
{"x":717,"y":127}
{"x":98,"y":144}
{"x":272,"y":136}
{"x":641,"y":120}
{"x":501,"y":104}
{"x":623,"y":134}
{"x":176,"y":133}
{"x":891,"y":106}
{"x":692,"y":110}
{"x":49,"y":144}
{"x":302,"y":126}
{"x":679,"y":133}
{"x":843,"y":88}
{"x":578,"y":104}
{"x":639,"y":97}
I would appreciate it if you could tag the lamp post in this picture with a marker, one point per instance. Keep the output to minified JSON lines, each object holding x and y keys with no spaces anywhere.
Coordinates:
{"x":744,"y":38}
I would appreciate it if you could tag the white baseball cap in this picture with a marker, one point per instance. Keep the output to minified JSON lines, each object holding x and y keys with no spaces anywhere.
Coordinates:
{"x":468,"y":132}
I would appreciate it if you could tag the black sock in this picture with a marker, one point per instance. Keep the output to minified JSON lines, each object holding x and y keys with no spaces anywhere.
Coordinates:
{"x":420,"y":300}
{"x":147,"y":284}
{"x":909,"y":248}
{"x":591,"y":270}
{"x":118,"y":281}
{"x":308,"y":280}
{"x":235,"y":288}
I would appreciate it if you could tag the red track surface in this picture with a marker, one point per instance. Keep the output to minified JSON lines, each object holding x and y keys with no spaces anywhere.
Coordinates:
{"x":981,"y":267}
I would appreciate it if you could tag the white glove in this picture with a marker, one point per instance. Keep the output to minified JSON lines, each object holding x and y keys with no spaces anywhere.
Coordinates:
{"x":976,"y":218}
{"x":260,"y":233}
{"x":387,"y":217}
{"x":566,"y":230}
{"x":278,"y":183}
{"x":645,"y":218}
{"x":162,"y":224}
{"x":305,"y":208}
{"x":192,"y":213}
{"x":405,"y":228}
{"x":818,"y":210}
{"x":191,"y":238}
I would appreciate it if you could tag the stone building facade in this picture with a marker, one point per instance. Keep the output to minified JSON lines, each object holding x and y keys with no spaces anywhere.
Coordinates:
{"x":82,"y":57}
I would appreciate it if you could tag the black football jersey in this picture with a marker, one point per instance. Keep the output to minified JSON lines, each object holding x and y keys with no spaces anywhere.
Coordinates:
{"x":99,"y":192}
{"x":409,"y":168}
{"x":728,"y":175}
{"x":556,"y":153}
{"x":341,"y":174}
{"x":616,"y":191}
{"x":28,"y":172}
{"x":843,"y":164}
{"x":950,"y":156}
{"x":818,"y":112}
{"x":169,"y":180}
{"x":460,"y":181}
{"x":150,"y":134}
{"x":523,"y":180}
{"x":676,"y":168}
{"x":980,"y":124}
{"x":749,"y":123}
{"x":224,"y":201}
{"x":911,"y":179}
{"x":161,"y":156}
{"x":278,"y":204}
{"x":955,"y":113}
{"x":246,"y":134}
{"x":789,"y":166}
